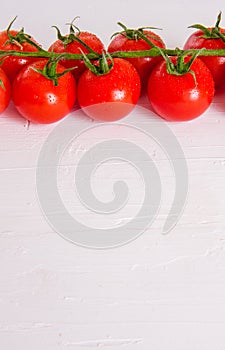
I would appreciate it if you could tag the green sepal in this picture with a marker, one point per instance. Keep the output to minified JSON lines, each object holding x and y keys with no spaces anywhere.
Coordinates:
{"x":72,"y":26}
{"x":213,"y":33}
{"x":64,"y":39}
{"x":49,"y":70}
{"x":181,"y":67}
{"x":137,"y":34}
{"x":72,"y":36}
{"x":206,"y":31}
{"x":104,"y":66}
{"x":20,"y":37}
{"x":2,"y":85}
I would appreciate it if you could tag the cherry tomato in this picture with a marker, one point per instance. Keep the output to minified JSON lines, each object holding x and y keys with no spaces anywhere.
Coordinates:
{"x":5,"y":91}
{"x":216,"y":64}
{"x":144,"y":65}
{"x":38,"y":99}
{"x":12,"y":64}
{"x":181,"y":97}
{"x":110,"y":96}
{"x":75,"y":47}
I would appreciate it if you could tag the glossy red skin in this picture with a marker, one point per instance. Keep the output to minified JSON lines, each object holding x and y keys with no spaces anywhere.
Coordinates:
{"x":111,"y":96}
{"x":12,"y":65}
{"x":5,"y":91}
{"x":144,"y":65}
{"x":38,"y":100}
{"x":75,"y":47}
{"x":180,"y":98}
{"x":215,"y":64}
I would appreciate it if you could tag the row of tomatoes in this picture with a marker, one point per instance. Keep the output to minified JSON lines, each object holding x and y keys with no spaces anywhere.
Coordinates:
{"x":173,"y":96}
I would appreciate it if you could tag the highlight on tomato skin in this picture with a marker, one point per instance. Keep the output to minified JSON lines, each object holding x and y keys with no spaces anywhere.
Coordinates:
{"x":5,"y":91}
{"x":110,"y":96}
{"x":183,"y":97}
{"x":36,"y":97}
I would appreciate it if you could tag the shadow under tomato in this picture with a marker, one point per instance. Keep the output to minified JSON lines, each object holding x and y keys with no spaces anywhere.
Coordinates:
{"x":110,"y":111}
{"x":219,"y":99}
{"x":12,"y":113}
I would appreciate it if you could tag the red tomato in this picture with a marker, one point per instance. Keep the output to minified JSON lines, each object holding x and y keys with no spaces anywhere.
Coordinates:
{"x":75,"y":47}
{"x":216,"y":64}
{"x":12,"y":64}
{"x":5,"y":91}
{"x":38,"y":99}
{"x":110,"y":96}
{"x":182,"y":97}
{"x":144,"y":65}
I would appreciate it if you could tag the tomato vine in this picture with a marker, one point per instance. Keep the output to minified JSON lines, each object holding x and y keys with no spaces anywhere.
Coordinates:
{"x":213,"y":33}
{"x":141,"y":48}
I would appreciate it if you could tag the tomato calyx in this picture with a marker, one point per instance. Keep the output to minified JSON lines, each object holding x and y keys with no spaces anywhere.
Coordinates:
{"x":2,"y":85}
{"x":72,"y":36}
{"x":20,"y":37}
{"x":211,"y":33}
{"x":69,"y":38}
{"x":103,"y":65}
{"x":50,"y":69}
{"x":137,"y":34}
{"x":182,"y":65}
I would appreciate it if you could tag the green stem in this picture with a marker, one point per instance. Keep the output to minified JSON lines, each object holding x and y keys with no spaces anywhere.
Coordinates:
{"x":154,"y":52}
{"x":46,"y":54}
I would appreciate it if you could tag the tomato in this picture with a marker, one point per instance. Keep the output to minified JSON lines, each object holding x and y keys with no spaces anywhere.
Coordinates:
{"x":75,"y":47}
{"x":12,"y":64}
{"x":110,"y":96}
{"x":144,"y":65}
{"x":38,"y":99}
{"x":181,"y":97}
{"x":215,"y":64}
{"x":5,"y":91}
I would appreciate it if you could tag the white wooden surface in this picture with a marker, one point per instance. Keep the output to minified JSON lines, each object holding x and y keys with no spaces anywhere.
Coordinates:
{"x":158,"y":292}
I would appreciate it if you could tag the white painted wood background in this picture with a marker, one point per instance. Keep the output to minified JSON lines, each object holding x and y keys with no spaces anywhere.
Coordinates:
{"x":158,"y":292}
